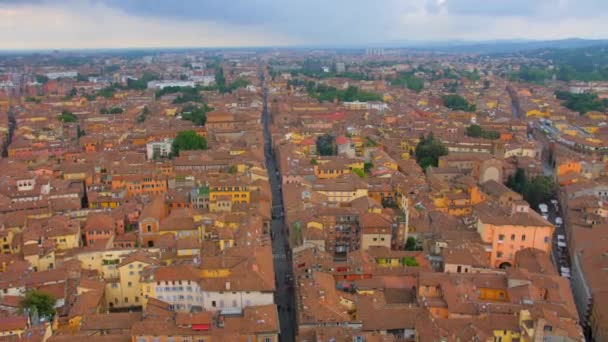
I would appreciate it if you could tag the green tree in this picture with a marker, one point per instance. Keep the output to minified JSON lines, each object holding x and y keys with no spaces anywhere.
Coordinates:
{"x":429,"y":150}
{"x":474,"y":131}
{"x":41,"y":79}
{"x":535,"y":191}
{"x":539,"y":190}
{"x":517,"y":182}
{"x":326,"y":145}
{"x":408,"y":80}
{"x":410,"y":261}
{"x":412,"y":244}
{"x":359,"y":172}
{"x":196,"y":114}
{"x":581,"y":103}
{"x":457,"y":102}
{"x":188,"y":140}
{"x":81,"y":78}
{"x":107,"y":92}
{"x":40,"y":302}
{"x":142,"y":82}
{"x":79,"y":132}
{"x":67,"y":116}
{"x":116,"y":110}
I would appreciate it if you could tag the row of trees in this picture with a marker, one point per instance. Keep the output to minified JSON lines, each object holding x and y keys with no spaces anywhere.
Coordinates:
{"x":323,"y":92}
{"x":408,"y":80}
{"x":535,"y":190}
{"x":582,"y":103}
{"x":222,"y":86}
{"x":112,"y":110}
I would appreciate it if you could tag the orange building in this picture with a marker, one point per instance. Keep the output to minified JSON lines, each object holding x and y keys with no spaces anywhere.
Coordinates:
{"x":507,"y":231}
{"x":567,"y":170}
{"x":140,"y":184}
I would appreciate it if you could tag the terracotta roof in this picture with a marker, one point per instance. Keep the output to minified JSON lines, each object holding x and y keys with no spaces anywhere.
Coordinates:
{"x":13,"y":323}
{"x":110,"y":321}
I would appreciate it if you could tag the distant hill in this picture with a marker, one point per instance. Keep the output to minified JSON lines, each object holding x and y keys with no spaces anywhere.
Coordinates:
{"x":496,"y":46}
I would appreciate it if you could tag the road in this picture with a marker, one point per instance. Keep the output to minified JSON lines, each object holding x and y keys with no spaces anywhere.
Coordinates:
{"x":284,"y":295}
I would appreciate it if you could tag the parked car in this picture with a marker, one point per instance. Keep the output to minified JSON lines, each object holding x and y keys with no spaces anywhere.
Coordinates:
{"x":561,"y":241}
{"x":558,"y":221}
{"x":543,"y":208}
{"x":555,"y":204}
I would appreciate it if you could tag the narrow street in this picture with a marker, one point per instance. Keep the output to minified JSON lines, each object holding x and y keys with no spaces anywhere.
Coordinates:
{"x":284,"y":295}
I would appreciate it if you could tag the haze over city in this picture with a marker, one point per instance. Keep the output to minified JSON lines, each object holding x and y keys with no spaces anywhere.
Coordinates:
{"x":216,"y":23}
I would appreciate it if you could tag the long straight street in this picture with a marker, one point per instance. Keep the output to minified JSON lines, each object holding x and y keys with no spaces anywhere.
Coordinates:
{"x":284,"y":295}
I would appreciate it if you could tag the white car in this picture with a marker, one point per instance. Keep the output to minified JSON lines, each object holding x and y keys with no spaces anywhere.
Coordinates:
{"x":561,"y":241}
{"x":554,"y":201}
{"x":559,"y":221}
{"x":543,"y":208}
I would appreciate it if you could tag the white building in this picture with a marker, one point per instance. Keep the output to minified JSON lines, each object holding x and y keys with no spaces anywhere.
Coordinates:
{"x":170,"y":83}
{"x":205,"y":80}
{"x":159,"y":149}
{"x":62,"y":74}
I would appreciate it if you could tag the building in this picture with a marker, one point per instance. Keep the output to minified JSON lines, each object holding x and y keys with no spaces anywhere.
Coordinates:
{"x":159,"y":149}
{"x":508,"y":230}
{"x":170,"y":83}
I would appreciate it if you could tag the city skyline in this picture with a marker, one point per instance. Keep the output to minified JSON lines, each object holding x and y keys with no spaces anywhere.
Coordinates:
{"x":144,"y":24}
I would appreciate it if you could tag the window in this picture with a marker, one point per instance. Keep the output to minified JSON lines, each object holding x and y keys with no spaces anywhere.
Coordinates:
{"x":213,"y":303}
{"x":126,"y":299}
{"x":149,"y":228}
{"x":501,"y":237}
{"x":512,"y":237}
{"x":499,"y":254}
{"x":267,"y":339}
{"x":523,"y":237}
{"x":375,"y":239}
{"x":136,"y":299}
{"x":234,"y":303}
{"x":546,"y":239}
{"x":129,"y":284}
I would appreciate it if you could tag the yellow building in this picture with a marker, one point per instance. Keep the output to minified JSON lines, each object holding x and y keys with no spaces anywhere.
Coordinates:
{"x":237,"y":193}
{"x":6,"y":242}
{"x":125,"y":291}
{"x":39,"y":258}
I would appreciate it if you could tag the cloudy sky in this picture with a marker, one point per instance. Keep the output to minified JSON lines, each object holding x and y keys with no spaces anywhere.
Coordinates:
{"x":31,"y":24}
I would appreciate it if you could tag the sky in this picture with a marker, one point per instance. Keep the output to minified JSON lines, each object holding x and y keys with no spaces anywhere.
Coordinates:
{"x":55,"y":24}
